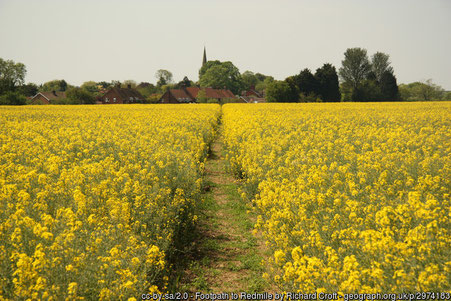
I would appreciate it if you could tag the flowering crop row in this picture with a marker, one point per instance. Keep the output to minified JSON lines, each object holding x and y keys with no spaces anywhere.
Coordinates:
{"x":350,"y":197}
{"x":93,"y":199}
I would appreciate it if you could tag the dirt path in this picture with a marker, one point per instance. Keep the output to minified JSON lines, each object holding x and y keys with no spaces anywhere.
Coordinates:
{"x":228,"y":256}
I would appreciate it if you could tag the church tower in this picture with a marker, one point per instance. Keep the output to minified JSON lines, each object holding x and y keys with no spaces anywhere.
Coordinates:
{"x":204,"y":61}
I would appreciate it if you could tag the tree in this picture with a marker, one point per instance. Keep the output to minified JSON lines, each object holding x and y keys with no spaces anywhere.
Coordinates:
{"x":294,"y":89}
{"x":161,"y":82}
{"x":12,"y":98}
{"x":222,"y":76}
{"x":306,"y":82}
{"x":90,"y":86}
{"x":207,"y":66}
{"x":280,"y":91}
{"x":55,"y":85}
{"x":380,"y":64}
{"x":147,"y":90}
{"x":29,"y":89}
{"x":368,"y":90}
{"x":11,"y":75}
{"x":262,"y":85}
{"x":184,"y":83}
{"x":202,"y":96}
{"x":328,"y":85}
{"x":355,"y":66}
{"x":249,"y":80}
{"x":128,"y":82}
{"x":79,"y":96}
{"x":388,"y":86}
{"x":261,"y":77}
{"x":104,"y":84}
{"x":165,"y":75}
{"x":115,"y":83}
{"x":421,"y":91}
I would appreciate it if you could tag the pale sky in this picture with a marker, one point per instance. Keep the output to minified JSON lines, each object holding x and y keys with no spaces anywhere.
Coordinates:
{"x":104,"y":40}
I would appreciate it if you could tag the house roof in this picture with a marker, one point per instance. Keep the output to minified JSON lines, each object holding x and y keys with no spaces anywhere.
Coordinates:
{"x":190,"y":93}
{"x":193,"y":91}
{"x":52,"y":95}
{"x":251,"y":92}
{"x":210,"y":92}
{"x":181,"y":95}
{"x":126,"y":93}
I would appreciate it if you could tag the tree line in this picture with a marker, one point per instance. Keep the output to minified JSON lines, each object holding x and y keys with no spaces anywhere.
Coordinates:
{"x":359,"y":78}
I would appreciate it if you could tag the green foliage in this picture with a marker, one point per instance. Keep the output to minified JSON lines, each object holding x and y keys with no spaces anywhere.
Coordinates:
{"x":355,"y":67}
{"x":306,"y":82}
{"x":115,"y":83}
{"x":365,"y":81}
{"x":312,"y":97}
{"x":128,"y":82}
{"x":262,"y":85}
{"x":104,"y":85}
{"x":11,"y":75}
{"x":212,"y":100}
{"x":161,"y":82}
{"x":184,"y":83}
{"x":328,"y":85}
{"x":321,"y":86}
{"x":163,"y":89}
{"x":421,"y":91}
{"x":79,"y":96}
{"x":207,"y":66}
{"x":294,"y":89}
{"x":249,"y":80}
{"x":346,"y":92}
{"x":91,"y":87}
{"x":281,"y":91}
{"x":368,"y":90}
{"x":55,"y":85}
{"x":12,"y":98}
{"x":222,"y":75}
{"x":380,"y":64}
{"x":388,"y":86}
{"x":202,"y":96}
{"x":164,"y":77}
{"x":148,"y":90}
{"x":153,"y":98}
{"x":28,"y":89}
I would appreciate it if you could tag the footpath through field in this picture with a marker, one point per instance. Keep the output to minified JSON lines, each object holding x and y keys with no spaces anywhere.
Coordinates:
{"x":228,"y":256}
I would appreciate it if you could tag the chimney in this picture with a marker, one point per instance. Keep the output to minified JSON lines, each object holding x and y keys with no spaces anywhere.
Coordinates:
{"x":129,"y":86}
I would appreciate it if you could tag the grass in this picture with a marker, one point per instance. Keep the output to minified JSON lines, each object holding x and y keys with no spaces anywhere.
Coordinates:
{"x":227,"y":257}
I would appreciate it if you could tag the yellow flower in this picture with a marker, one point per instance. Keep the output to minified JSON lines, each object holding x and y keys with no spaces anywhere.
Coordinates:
{"x":72,"y":288}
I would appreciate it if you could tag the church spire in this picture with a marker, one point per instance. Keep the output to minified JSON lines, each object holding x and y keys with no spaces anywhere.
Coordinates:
{"x":204,"y":61}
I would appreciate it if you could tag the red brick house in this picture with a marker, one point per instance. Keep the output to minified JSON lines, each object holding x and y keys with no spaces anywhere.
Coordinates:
{"x":189,"y":95}
{"x":46,"y":98}
{"x":252,"y":93}
{"x":253,"y":96}
{"x":121,"y":95}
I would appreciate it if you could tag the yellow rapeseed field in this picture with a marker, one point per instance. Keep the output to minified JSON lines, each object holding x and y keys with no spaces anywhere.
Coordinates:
{"x":93,"y":199}
{"x":351,"y":197}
